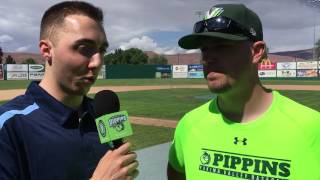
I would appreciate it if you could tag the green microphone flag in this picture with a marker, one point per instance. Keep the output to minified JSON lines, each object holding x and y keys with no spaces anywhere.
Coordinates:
{"x":113,"y":126}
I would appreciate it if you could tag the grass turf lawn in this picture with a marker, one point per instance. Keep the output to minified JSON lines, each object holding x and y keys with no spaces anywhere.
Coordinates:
{"x":145,"y":136}
{"x":173,"y":104}
{"x":292,"y":82}
{"x":141,"y":82}
{"x":112,"y":82}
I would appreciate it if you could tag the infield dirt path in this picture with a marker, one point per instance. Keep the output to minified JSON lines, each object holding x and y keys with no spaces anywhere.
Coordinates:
{"x":9,"y":94}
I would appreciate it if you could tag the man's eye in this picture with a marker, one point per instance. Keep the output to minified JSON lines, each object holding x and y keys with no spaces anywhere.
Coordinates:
{"x":86,"y":50}
{"x":102,"y":50}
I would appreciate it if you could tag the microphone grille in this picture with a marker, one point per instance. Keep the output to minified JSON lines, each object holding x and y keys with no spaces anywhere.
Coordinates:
{"x":106,"y":102}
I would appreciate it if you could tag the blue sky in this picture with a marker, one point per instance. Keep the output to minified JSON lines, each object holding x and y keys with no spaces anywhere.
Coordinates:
{"x":157,"y":25}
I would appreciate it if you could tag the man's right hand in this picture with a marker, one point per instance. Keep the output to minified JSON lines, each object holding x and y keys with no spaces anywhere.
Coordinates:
{"x":118,"y":164}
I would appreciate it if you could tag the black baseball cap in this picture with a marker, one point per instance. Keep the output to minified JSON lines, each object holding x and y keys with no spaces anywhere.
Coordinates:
{"x":230,"y":22}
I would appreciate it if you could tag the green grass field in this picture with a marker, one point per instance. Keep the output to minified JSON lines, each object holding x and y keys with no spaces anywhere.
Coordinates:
{"x":113,"y":82}
{"x":292,"y":82}
{"x":165,"y":104}
{"x":173,"y":104}
{"x":145,"y":136}
{"x":141,"y":82}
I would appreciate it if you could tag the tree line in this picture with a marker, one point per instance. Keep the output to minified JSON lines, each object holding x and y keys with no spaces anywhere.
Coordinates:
{"x":9,"y":59}
{"x":133,"y":56}
{"x":6,"y":60}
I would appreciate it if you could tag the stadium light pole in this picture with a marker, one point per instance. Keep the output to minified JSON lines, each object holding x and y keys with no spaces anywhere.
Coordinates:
{"x":199,"y":13}
{"x":314,"y":4}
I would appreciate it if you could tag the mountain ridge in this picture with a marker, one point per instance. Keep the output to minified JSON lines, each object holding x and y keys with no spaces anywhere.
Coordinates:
{"x":180,"y":58}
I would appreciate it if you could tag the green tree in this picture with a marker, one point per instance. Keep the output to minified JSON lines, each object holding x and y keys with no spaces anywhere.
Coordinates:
{"x":129,"y":56}
{"x":135,"y":56}
{"x":29,"y":61}
{"x":10,"y":60}
{"x":158,"y":60}
{"x":114,"y":58}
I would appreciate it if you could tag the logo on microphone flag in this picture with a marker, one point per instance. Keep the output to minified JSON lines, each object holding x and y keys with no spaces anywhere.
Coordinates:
{"x":113,"y":126}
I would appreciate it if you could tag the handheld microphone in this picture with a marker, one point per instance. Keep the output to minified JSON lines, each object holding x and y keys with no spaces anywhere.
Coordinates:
{"x":112,"y":125}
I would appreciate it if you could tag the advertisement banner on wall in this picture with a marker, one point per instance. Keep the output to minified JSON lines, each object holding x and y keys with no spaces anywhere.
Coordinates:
{"x":180,"y":71}
{"x":17,"y":75}
{"x":307,"y":65}
{"x":163,"y":71}
{"x":36,"y":71}
{"x":17,"y":71}
{"x":196,"y":74}
{"x":267,"y":73}
{"x":102,"y":73}
{"x":17,"y":67}
{"x":266,"y":64}
{"x":286,"y":65}
{"x":286,"y":73}
{"x":1,"y":72}
{"x":195,"y":71}
{"x":307,"y":73}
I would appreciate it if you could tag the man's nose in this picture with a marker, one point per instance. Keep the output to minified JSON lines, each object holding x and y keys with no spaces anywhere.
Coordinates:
{"x":95,"y":61}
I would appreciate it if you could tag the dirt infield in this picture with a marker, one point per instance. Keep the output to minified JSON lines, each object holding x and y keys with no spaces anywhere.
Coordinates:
{"x":153,"y":122}
{"x":9,"y":94}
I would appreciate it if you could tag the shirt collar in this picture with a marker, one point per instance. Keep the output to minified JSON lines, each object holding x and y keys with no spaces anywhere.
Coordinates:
{"x":60,"y":112}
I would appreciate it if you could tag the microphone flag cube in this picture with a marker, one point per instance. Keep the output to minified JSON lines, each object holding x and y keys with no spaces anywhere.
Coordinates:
{"x":113,"y":126}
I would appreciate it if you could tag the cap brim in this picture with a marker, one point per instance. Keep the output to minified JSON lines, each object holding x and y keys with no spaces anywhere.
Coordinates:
{"x":194,"y":41}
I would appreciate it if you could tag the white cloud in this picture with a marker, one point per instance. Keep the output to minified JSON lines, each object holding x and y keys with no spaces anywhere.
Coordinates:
{"x":193,"y":51}
{"x":5,"y":38}
{"x":171,"y":51}
{"x":126,"y":20}
{"x":145,"y":43}
{"x":23,"y":49}
{"x":285,"y":20}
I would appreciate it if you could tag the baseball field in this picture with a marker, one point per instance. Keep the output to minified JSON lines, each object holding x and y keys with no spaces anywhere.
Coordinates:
{"x":156,"y":105}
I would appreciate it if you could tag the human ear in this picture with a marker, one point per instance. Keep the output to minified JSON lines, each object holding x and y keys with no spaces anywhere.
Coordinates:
{"x":45,"y":47}
{"x":258,"y":51}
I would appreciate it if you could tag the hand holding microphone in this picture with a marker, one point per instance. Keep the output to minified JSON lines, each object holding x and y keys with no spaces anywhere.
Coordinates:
{"x":119,"y":163}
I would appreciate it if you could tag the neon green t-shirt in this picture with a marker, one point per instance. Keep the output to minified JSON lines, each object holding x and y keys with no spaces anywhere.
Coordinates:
{"x":283,"y":143}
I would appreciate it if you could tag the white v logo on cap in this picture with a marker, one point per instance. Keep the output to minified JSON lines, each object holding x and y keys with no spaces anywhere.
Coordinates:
{"x":213,"y":12}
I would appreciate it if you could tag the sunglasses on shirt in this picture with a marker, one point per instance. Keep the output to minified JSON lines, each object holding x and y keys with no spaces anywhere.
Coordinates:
{"x":223,"y":25}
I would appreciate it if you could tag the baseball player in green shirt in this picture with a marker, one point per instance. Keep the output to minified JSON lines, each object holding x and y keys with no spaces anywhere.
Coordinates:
{"x":248,"y":131}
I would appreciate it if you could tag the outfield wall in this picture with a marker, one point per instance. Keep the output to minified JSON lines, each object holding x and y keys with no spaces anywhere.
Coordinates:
{"x":303,"y":69}
{"x":266,"y":69}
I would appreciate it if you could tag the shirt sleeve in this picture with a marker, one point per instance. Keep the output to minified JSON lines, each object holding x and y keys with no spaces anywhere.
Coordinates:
{"x":310,"y":160}
{"x":316,"y":143}
{"x":176,"y":157}
{"x":8,"y":156}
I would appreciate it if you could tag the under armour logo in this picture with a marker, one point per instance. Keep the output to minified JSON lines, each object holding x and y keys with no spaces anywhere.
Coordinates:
{"x":244,"y":140}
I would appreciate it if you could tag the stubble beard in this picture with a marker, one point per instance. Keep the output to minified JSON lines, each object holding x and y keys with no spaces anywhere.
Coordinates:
{"x":219,"y":87}
{"x":75,"y":89}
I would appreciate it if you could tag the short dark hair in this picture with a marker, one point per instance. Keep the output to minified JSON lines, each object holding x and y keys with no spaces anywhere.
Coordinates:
{"x":55,"y":15}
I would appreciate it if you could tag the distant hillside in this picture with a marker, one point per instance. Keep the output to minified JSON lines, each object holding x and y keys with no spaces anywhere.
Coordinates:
{"x":192,"y":58}
{"x":303,"y":54}
{"x":20,"y":57}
